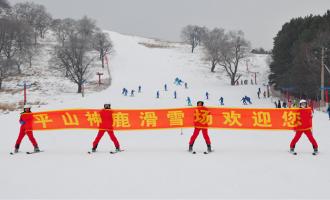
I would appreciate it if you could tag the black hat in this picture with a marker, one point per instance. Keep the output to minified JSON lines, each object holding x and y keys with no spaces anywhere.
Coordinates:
{"x":107,"y":106}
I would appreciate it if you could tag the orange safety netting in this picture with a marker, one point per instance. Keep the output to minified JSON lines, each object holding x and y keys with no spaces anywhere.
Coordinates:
{"x":202,"y":117}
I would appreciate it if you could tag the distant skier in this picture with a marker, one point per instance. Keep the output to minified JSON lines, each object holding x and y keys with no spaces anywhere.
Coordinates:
{"x":26,"y":126}
{"x":328,"y":110}
{"x":132,"y":93}
{"x":176,"y":81}
{"x":157,"y":95}
{"x":139,"y":90}
{"x":308,"y":133}
{"x":165,"y":87}
{"x":244,"y":100}
{"x":221,"y":101}
{"x":248,"y":99}
{"x":207,"y":95}
{"x":175,"y":95}
{"x":123,"y":92}
{"x":284,"y":105}
{"x":259,"y":92}
{"x":279,"y":104}
{"x":200,"y":106}
{"x":180,"y":82}
{"x":189,"y":101}
{"x":265,"y":94}
{"x":186,"y":85}
{"x":106,"y":126}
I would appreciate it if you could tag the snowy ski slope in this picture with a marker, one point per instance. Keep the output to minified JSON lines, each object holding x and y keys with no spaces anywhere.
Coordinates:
{"x":156,"y":164}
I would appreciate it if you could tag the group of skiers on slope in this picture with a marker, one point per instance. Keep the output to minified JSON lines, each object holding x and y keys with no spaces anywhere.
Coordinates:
{"x":27,"y":109}
{"x":125,"y":91}
{"x":259,"y":93}
{"x":178,"y":81}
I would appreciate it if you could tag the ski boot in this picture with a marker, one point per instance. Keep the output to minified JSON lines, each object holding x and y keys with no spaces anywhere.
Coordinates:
{"x":190,"y":148}
{"x":94,"y":149}
{"x":117,"y":149}
{"x":16,"y":148}
{"x":36,"y":149}
{"x":209,"y":149}
{"x":292,"y":151}
{"x":316,"y":151}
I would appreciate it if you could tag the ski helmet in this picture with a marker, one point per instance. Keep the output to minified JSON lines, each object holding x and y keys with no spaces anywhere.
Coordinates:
{"x":27,"y":108}
{"x":107,"y":106}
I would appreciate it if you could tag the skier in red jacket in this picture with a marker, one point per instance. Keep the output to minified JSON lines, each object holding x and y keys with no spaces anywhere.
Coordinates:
{"x":200,"y":105}
{"x":106,"y":126}
{"x":25,"y":121}
{"x":308,"y":133}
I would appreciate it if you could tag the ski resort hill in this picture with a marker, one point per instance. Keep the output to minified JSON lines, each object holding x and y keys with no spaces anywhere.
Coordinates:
{"x":155,"y":163}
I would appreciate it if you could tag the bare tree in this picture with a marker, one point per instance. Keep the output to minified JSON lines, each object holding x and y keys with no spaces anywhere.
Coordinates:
{"x":35,"y":15}
{"x":213,"y":42}
{"x":102,"y":44}
{"x":232,"y":52}
{"x":17,"y":41}
{"x":193,"y":35}
{"x":63,"y":28}
{"x":75,"y":58}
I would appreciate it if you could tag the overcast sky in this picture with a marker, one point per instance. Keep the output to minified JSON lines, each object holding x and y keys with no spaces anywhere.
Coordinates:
{"x":259,"y":19}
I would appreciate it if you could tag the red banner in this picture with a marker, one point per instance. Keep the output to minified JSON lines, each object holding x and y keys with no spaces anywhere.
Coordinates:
{"x":202,"y":117}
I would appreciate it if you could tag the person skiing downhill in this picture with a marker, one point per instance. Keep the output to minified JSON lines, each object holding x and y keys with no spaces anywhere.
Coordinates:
{"x":221,"y":101}
{"x":139,"y":89}
{"x":165,"y":87}
{"x":106,"y":126}
{"x":248,"y":99}
{"x":259,"y":92}
{"x":200,"y":106}
{"x":189,"y":101}
{"x":25,"y":121}
{"x":244,"y":100}
{"x":308,"y":133}
{"x":132,"y":93}
{"x":157,"y":94}
{"x":175,"y":95}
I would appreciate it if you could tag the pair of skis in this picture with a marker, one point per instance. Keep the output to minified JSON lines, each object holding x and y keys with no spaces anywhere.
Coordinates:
{"x":295,"y":153}
{"x":195,"y":152}
{"x":111,"y":152}
{"x":28,"y":152}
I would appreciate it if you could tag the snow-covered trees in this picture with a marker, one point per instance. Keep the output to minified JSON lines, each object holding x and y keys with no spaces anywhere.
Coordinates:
{"x":35,"y":15}
{"x":20,"y":27}
{"x":73,"y":54}
{"x":235,"y":48}
{"x":226,"y":50}
{"x":193,"y":35}
{"x":102,"y":44}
